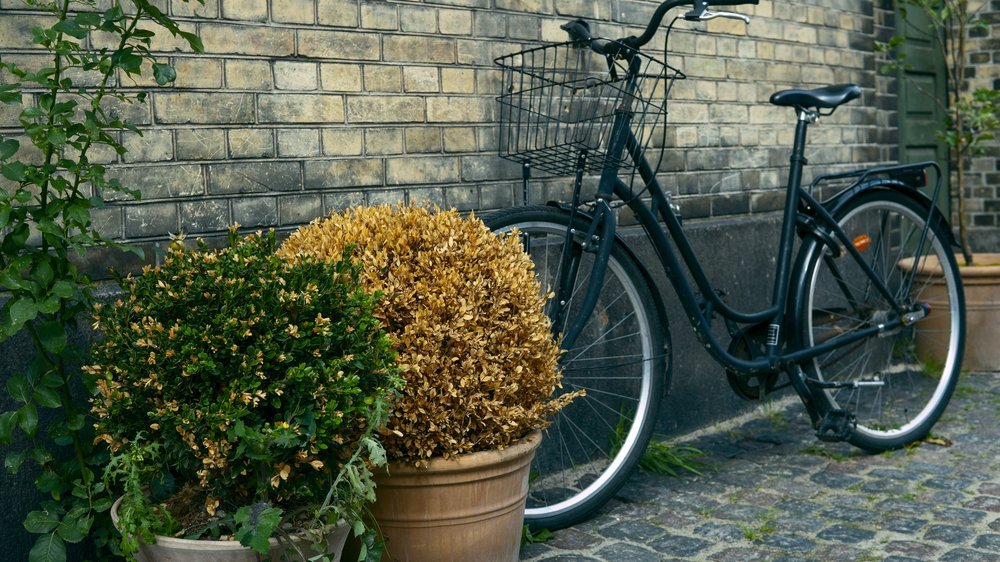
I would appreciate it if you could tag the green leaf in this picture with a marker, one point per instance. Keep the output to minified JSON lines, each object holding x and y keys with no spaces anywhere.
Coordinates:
{"x":9,"y":94}
{"x":52,"y":334}
{"x":73,"y":529}
{"x":42,"y":272}
{"x":19,"y":388}
{"x":78,"y":212}
{"x":28,"y":419}
{"x":114,"y":14}
{"x":102,"y":504}
{"x":57,"y":137}
{"x":9,"y":280}
{"x":8,"y":420}
{"x":47,"y":482}
{"x":14,"y":171}
{"x":15,"y":239}
{"x":13,"y":461}
{"x":193,"y":40}
{"x":164,"y":73}
{"x":47,"y":397}
{"x":50,"y":379}
{"x":41,"y":522}
{"x":64,"y":289}
{"x":76,"y":422}
{"x":50,"y":305}
{"x":256,"y":524}
{"x":48,"y":548}
{"x":8,"y":148}
{"x":70,"y":27}
{"x":23,"y":310}
{"x":40,"y":455}
{"x":89,"y":19}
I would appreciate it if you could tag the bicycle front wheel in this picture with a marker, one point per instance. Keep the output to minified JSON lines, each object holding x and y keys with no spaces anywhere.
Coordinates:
{"x":906,"y":376}
{"x":592,"y":445}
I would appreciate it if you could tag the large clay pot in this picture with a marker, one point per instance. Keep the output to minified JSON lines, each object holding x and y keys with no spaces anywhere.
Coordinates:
{"x":982,"y":310}
{"x":468,"y":508}
{"x":169,"y":549}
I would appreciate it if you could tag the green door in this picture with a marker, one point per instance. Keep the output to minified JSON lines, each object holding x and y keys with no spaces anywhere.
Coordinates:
{"x":920,"y":84}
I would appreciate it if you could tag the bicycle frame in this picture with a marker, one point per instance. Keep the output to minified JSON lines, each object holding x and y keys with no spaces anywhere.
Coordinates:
{"x":798,"y":203}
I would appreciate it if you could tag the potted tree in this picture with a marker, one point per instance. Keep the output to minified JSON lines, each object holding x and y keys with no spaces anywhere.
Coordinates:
{"x":465,"y":314}
{"x":240,"y":395}
{"x":972,"y":117}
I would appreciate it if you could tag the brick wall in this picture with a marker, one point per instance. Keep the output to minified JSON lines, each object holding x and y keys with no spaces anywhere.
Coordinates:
{"x":983,"y":173}
{"x":300,"y":107}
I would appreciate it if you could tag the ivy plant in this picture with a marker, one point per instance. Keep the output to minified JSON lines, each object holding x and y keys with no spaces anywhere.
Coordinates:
{"x":52,"y":179}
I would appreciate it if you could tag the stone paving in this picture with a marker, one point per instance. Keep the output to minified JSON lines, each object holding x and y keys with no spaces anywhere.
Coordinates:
{"x":773,"y":492}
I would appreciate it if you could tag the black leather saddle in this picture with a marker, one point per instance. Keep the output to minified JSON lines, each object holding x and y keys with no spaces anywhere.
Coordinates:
{"x":827,"y":97}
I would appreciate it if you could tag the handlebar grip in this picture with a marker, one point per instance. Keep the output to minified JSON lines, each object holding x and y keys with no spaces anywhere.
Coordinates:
{"x":578,"y":30}
{"x":579,"y":33}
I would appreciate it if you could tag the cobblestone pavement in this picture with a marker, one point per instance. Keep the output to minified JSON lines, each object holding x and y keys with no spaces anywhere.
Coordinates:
{"x":774,"y":492}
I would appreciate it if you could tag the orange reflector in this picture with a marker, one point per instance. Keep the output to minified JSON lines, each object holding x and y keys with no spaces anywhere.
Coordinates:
{"x":862,"y":242}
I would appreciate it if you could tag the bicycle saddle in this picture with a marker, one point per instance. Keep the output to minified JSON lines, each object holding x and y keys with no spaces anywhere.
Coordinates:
{"x":827,"y":97}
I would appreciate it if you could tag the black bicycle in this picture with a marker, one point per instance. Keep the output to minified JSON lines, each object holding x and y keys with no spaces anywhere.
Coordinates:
{"x":867,"y":316}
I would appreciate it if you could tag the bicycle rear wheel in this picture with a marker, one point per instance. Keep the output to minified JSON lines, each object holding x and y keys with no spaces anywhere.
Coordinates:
{"x":619,"y":360}
{"x":908,"y":375}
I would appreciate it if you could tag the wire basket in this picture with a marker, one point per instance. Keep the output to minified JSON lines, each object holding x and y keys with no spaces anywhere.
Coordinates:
{"x":558,"y":104}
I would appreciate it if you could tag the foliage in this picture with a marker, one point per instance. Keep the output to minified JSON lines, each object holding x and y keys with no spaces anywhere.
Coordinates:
{"x":535,"y":537}
{"x":248,"y":381}
{"x":465,"y":312}
{"x":51,"y":180}
{"x":971,"y":118}
{"x":663,"y":457}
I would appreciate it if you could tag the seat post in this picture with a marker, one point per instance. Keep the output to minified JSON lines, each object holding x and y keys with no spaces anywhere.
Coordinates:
{"x":798,"y":159}
{"x":783,"y":266}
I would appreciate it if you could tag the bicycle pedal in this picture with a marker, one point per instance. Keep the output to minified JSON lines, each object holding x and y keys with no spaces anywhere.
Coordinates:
{"x":836,"y":425}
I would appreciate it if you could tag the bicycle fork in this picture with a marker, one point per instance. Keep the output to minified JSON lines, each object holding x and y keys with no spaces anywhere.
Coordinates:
{"x":598,"y":240}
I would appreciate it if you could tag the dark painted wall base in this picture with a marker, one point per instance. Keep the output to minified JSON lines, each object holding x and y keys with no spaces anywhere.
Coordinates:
{"x":739,"y":257}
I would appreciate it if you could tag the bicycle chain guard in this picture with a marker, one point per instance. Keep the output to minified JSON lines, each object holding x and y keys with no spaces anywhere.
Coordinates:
{"x":751,"y":343}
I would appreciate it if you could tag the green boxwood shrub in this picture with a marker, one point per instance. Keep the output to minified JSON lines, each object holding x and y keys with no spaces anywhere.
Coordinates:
{"x":242,"y":380}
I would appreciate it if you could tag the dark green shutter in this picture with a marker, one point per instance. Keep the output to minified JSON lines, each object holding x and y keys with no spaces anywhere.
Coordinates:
{"x":923,"y":81}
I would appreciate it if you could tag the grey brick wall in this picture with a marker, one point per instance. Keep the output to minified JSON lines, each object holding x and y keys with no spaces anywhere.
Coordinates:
{"x":300,"y":107}
{"x":983,"y":173}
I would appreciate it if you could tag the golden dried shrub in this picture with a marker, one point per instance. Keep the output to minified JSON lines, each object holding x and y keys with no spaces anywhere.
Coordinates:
{"x":465,"y":313}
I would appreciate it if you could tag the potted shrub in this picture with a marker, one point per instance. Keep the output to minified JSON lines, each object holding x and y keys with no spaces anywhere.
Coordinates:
{"x":239,"y":394}
{"x":475,"y":349}
{"x":972,"y":117}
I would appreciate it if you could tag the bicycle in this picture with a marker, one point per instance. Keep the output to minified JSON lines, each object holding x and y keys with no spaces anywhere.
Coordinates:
{"x":847,"y":306}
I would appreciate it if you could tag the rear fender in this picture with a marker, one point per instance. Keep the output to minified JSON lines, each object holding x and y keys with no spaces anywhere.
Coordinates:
{"x":812,"y":244}
{"x":835,"y":203}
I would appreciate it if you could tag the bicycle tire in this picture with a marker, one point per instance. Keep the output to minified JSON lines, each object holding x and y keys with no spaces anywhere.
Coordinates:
{"x":916,"y":382}
{"x":592,"y":445}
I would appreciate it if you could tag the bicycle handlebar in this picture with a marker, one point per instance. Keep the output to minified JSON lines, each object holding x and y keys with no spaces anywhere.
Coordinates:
{"x":579,"y":30}
{"x":699,"y":8}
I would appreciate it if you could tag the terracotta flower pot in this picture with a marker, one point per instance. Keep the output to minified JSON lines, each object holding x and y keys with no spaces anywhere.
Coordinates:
{"x":982,"y":309}
{"x":467,"y":508}
{"x":169,"y":549}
